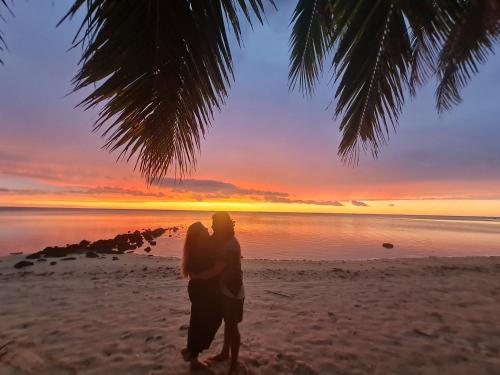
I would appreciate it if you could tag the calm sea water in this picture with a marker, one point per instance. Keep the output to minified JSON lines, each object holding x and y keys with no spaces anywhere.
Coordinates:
{"x":263,"y":235}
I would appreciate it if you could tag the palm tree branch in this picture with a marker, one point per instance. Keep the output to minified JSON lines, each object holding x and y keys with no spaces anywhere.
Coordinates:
{"x":470,"y":41}
{"x":3,"y":43}
{"x":158,"y":70}
{"x":371,"y":63}
{"x":309,"y":43}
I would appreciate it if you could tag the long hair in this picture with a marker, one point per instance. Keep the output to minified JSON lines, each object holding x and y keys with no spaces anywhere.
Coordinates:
{"x":192,"y":241}
{"x":223,"y":226}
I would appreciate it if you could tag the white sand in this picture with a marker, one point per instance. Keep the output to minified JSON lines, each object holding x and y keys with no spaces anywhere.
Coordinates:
{"x":98,"y":316}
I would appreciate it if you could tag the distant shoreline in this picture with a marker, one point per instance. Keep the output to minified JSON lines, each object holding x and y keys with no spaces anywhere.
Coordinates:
{"x":128,"y":210}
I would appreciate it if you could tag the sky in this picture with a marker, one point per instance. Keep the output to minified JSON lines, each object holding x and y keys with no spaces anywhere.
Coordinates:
{"x":268,"y":149}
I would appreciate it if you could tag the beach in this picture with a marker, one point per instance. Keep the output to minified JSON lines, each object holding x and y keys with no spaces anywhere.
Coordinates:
{"x":129,"y":316}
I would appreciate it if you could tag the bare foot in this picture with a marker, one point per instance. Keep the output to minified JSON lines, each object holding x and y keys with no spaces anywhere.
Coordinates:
{"x":197,"y":365}
{"x":186,"y":354}
{"x":220,"y":357}
{"x":234,"y":369}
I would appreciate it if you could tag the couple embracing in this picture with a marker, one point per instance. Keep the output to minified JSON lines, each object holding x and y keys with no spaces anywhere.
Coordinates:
{"x":213,"y":265}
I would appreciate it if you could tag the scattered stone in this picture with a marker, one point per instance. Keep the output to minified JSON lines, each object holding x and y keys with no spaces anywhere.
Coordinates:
{"x":183,"y":327}
{"x":16,"y":253}
{"x":332,"y":316}
{"x":152,"y":243}
{"x":53,"y":263}
{"x":115,"y":258}
{"x":23,"y":263}
{"x":153,"y":338}
{"x":69,"y":258}
{"x":388,"y":245}
{"x":147,"y":249}
{"x":33,"y":256}
{"x":41,"y":260}
{"x":424,"y":332}
{"x":91,"y":254}
{"x":335,"y":269}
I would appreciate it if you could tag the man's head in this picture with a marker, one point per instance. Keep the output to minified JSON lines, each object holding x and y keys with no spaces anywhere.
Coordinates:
{"x":223,"y":225}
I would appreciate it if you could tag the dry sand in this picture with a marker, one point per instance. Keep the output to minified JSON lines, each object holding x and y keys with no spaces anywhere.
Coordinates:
{"x":401,"y":316}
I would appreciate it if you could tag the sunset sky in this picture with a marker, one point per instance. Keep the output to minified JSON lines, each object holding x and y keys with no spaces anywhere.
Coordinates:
{"x":269,"y":149}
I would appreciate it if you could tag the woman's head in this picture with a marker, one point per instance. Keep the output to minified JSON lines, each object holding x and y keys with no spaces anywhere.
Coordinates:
{"x":196,"y":236}
{"x":223,"y":225}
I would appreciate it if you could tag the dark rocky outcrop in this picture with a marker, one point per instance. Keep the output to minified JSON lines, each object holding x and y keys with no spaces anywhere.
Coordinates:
{"x":23,"y":263}
{"x":33,"y":256}
{"x":120,"y":244}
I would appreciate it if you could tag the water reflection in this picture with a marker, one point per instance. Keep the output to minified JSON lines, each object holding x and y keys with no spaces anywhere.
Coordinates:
{"x":263,"y":235}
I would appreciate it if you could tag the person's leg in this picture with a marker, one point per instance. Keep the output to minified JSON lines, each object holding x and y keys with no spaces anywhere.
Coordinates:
{"x":212,"y":319}
{"x":235,"y":340}
{"x":224,"y":354}
{"x":194,"y":346}
{"x":195,"y":340}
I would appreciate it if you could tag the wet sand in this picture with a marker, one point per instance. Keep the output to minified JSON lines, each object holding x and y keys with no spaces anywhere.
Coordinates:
{"x":130,"y":316}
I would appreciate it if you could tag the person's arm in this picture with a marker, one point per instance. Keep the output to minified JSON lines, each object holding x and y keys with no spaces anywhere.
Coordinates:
{"x":208,"y":274}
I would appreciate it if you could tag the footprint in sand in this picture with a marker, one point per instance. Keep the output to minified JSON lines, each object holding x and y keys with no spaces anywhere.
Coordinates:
{"x":26,"y":361}
{"x":288,"y":364}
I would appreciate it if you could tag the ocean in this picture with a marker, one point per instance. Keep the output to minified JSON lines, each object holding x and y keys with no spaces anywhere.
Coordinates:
{"x":262,"y":235}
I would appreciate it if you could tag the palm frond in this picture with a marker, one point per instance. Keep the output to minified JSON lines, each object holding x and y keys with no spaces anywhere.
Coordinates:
{"x":428,"y":22}
{"x":384,"y":48}
{"x":373,"y":51}
{"x":308,"y":43}
{"x":160,"y":69}
{"x":470,"y":41}
{"x":3,"y":43}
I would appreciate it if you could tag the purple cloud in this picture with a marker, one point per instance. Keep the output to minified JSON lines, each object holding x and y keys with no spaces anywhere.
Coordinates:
{"x":213,"y":189}
{"x":360,"y":204}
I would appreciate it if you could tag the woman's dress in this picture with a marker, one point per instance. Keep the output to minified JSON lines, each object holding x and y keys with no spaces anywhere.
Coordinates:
{"x":206,"y":315}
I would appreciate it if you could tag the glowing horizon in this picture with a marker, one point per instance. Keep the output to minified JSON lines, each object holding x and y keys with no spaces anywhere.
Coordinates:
{"x":483,"y":208}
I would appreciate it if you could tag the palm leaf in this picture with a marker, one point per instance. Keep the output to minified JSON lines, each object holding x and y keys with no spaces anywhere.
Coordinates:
{"x":470,"y":41}
{"x":3,"y":43}
{"x":428,"y":23}
{"x":309,"y":43}
{"x":382,"y":49}
{"x":160,"y":69}
{"x":372,"y":56}
{"x":371,"y":62}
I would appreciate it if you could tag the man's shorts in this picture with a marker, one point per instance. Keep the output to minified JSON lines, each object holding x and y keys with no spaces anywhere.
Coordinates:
{"x":232,"y":309}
